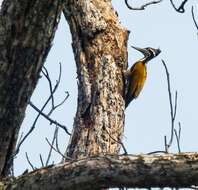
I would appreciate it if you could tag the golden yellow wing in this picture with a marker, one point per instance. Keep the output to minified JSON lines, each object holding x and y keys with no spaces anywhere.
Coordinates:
{"x":136,"y":81}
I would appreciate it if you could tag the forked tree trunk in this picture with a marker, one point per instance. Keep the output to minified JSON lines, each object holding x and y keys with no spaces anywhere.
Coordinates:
{"x":100,"y":49}
{"x":26,"y":31}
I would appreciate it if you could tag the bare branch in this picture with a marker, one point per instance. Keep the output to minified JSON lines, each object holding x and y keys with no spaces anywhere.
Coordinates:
{"x":180,"y":9}
{"x":54,"y":107}
{"x":179,"y":131}
{"x":46,"y":74}
{"x":193,"y":16}
{"x":52,"y":143}
{"x":178,"y":141}
{"x":119,"y":142}
{"x":142,"y":7}
{"x":178,"y":136}
{"x":65,"y":158}
{"x":29,"y":162}
{"x":41,"y":159}
{"x":165,"y":144}
{"x":49,"y":119}
{"x":57,"y":147}
{"x":173,"y":108}
{"x":41,"y":110}
{"x":124,"y":149}
{"x":134,"y":171}
{"x":157,"y":152}
{"x":63,"y":101}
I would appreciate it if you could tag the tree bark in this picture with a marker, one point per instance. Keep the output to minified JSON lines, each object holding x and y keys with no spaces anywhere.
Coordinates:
{"x":132,"y":171}
{"x":100,"y":49}
{"x":26,"y":32}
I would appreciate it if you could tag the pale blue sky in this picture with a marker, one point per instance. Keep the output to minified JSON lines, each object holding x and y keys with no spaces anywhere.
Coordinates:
{"x":148,"y":117}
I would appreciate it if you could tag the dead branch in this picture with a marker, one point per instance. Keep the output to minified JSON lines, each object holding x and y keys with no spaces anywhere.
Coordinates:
{"x":53,"y":90}
{"x":134,"y":171}
{"x":29,"y":162}
{"x":173,"y":108}
{"x":178,"y":135}
{"x":41,"y":159}
{"x":193,"y":16}
{"x":40,"y":111}
{"x":46,"y":74}
{"x":142,"y":7}
{"x":57,"y":150}
{"x":51,"y":145}
{"x":180,"y":9}
{"x":49,"y":119}
{"x":119,"y":142}
{"x":61,"y":103}
{"x":157,"y":152}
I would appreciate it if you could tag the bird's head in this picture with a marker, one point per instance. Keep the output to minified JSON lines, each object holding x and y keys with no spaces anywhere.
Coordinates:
{"x":149,"y":53}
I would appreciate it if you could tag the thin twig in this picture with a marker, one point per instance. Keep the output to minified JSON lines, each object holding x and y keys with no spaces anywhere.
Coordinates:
{"x":173,"y":109}
{"x":55,"y":88}
{"x":52,"y":143}
{"x":31,"y":165}
{"x":119,"y":142}
{"x":178,"y":141}
{"x":52,"y":91}
{"x":55,"y":149}
{"x":179,"y":135}
{"x":57,"y":145}
{"x":36,"y":119}
{"x":63,"y":101}
{"x":142,"y":7}
{"x":41,"y":159}
{"x":25,"y":172}
{"x":49,"y":119}
{"x":180,"y":9}
{"x":21,"y":137}
{"x":51,"y":97}
{"x":193,"y":16}
{"x":165,"y":144}
{"x":157,"y":151}
{"x":60,"y":104}
{"x":123,"y":147}
{"x":46,"y":74}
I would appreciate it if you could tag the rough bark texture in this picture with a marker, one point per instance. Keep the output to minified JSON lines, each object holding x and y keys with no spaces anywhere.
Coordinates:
{"x":26,"y":31}
{"x":100,"y":49}
{"x":135,"y":171}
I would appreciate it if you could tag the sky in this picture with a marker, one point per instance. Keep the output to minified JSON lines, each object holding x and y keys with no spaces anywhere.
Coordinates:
{"x":148,"y":117}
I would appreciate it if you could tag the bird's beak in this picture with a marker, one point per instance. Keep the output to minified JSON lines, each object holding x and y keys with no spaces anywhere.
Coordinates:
{"x":157,"y":51}
{"x":147,"y":51}
{"x":142,"y":50}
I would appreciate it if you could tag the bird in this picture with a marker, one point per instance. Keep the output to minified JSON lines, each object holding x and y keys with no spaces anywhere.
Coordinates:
{"x":135,"y":77}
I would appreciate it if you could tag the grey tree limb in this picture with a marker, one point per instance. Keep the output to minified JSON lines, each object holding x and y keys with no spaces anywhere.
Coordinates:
{"x":134,"y":171}
{"x":142,"y":7}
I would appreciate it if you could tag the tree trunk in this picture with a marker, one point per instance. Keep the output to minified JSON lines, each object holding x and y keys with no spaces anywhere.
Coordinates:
{"x":26,"y":32}
{"x":100,"y":49}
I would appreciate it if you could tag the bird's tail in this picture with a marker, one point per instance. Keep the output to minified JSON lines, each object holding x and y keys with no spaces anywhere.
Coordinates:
{"x":127,"y":100}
